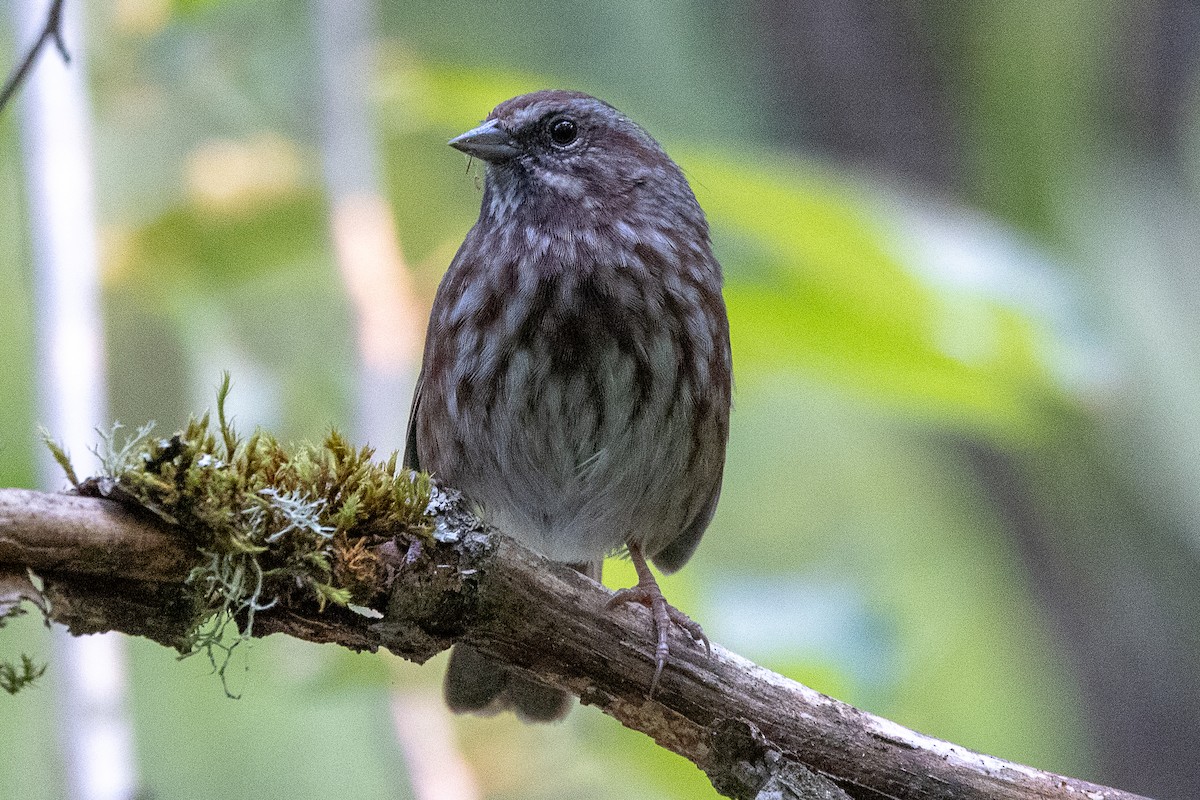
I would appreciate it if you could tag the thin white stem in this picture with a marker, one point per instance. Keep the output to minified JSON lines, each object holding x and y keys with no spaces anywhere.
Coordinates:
{"x":95,"y":731}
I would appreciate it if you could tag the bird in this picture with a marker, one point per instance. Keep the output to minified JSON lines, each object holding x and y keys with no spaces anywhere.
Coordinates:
{"x":576,"y":380}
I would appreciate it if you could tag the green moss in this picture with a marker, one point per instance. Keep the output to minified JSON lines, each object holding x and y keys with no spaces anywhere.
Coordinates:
{"x":14,"y":678}
{"x":271,"y":523}
{"x":15,"y":588}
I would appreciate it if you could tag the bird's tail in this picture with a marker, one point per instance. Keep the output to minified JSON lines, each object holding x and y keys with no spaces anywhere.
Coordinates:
{"x":477,"y":684}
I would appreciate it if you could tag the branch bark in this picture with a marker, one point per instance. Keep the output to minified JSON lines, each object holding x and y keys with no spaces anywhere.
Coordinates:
{"x":754,"y":733}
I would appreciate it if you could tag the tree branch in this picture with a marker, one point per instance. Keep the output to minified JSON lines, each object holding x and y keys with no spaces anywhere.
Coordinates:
{"x":51,"y":32}
{"x":754,"y":733}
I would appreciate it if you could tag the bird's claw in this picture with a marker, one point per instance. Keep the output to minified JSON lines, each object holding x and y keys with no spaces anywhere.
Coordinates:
{"x":664,"y":615}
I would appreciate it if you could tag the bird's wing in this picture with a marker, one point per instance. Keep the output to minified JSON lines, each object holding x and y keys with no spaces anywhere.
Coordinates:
{"x":411,"y":459}
{"x":677,"y":553}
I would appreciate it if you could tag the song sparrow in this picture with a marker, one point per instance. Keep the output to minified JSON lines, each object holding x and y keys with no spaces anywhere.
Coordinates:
{"x":576,"y":379}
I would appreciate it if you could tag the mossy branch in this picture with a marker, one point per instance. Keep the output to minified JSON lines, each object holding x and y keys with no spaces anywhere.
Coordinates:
{"x":269,"y":523}
{"x":109,"y":565}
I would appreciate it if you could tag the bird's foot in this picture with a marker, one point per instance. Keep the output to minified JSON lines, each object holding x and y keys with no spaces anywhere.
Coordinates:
{"x":664,"y":614}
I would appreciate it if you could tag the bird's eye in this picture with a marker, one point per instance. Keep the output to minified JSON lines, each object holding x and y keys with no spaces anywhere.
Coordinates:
{"x":563,"y":131}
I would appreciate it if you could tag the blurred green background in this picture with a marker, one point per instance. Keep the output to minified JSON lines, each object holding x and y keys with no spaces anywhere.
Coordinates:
{"x":960,"y":243}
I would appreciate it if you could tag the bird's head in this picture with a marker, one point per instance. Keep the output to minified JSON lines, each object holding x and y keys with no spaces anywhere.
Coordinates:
{"x":564,"y":153}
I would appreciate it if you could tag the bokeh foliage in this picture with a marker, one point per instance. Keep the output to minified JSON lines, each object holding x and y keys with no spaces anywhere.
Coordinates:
{"x":849,"y":552}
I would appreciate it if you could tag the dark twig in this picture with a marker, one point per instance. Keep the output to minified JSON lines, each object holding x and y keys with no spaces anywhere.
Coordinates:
{"x":51,"y":32}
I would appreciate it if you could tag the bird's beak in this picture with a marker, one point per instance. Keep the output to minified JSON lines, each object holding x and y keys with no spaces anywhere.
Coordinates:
{"x":488,"y":142}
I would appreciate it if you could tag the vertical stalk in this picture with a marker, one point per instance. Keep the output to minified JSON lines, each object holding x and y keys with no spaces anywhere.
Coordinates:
{"x":366,"y":245}
{"x":94,"y":729}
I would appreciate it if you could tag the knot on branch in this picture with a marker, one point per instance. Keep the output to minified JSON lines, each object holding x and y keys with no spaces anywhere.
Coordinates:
{"x":745,"y":764}
{"x":440,"y":599}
